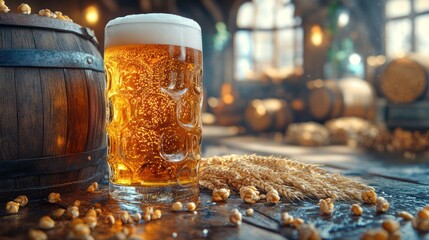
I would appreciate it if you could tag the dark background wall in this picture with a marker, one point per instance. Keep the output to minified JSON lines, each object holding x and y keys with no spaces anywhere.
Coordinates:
{"x":218,"y":64}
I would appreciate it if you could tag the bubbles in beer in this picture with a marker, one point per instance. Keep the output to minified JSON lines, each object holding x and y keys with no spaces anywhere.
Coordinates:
{"x":188,"y":108}
{"x":176,"y":77}
{"x":154,"y":129}
{"x":153,"y":111}
{"x":136,"y":144}
{"x":174,"y":145}
{"x":155,"y":170}
{"x":134,"y":78}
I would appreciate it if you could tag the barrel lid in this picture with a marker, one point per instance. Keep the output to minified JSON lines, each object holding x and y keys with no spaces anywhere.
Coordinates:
{"x":34,"y":20}
{"x":403,"y":80}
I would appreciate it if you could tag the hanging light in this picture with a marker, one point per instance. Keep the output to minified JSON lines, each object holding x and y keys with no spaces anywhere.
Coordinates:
{"x":355,"y":59}
{"x":316,"y":35}
{"x":91,"y":14}
{"x":343,"y":18}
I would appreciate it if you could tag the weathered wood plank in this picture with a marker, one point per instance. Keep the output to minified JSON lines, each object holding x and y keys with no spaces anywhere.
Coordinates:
{"x":78,"y":113}
{"x":67,"y":42}
{"x":5,"y":38}
{"x":214,"y":217}
{"x":8,"y":122}
{"x":21,"y":39}
{"x":30,"y":112}
{"x":45,"y":39}
{"x":94,"y":110}
{"x":101,"y":125}
{"x":55,"y":111}
{"x":339,"y":157}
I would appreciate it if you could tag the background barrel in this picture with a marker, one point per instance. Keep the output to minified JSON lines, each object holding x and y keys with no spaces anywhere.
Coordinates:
{"x":349,"y":97}
{"x":52,"y":107}
{"x":405,"y":80}
{"x":268,"y":115}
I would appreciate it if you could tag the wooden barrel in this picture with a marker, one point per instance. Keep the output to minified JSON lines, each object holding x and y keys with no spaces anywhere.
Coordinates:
{"x":52,"y":107}
{"x":349,"y":97}
{"x":268,"y":115}
{"x":229,"y":114}
{"x":229,"y":107}
{"x":405,"y":80}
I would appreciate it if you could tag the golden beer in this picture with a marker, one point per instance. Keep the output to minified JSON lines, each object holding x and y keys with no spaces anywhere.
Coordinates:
{"x":154,"y":95}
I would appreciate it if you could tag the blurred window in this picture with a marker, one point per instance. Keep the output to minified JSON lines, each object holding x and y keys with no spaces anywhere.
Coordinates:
{"x":422,"y":35}
{"x":268,"y":39}
{"x":406,"y":24}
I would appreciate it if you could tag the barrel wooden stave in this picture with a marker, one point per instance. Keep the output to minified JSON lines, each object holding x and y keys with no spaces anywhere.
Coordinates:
{"x":349,"y":97}
{"x":8,"y":110}
{"x":50,"y":112}
{"x":30,"y":112}
{"x":55,"y":111}
{"x":325,"y":101}
{"x":276,"y":117}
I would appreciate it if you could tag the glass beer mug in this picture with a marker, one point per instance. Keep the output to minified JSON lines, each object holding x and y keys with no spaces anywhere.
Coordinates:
{"x":154,"y":93}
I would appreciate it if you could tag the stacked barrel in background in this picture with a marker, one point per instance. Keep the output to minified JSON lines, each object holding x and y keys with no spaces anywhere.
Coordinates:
{"x":405,"y":84}
{"x":348,"y":97}
{"x":270,"y":114}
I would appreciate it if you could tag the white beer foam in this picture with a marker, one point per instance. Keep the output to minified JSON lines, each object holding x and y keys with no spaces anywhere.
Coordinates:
{"x":153,"y":28}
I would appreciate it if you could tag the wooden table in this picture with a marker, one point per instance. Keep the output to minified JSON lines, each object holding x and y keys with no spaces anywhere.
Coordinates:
{"x":404,"y":184}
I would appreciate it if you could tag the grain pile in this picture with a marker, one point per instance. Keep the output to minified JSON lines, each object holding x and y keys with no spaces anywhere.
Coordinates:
{"x":307,"y":134}
{"x":347,"y":130}
{"x":357,"y":132}
{"x":293,"y":180}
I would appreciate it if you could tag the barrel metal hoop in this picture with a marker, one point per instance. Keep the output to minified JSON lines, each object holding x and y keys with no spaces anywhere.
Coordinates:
{"x":49,"y":59}
{"x":34,"y":20}
{"x":52,"y":164}
{"x":39,"y":192}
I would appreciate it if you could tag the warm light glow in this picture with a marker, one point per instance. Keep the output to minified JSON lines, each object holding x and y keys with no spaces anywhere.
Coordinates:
{"x":61,"y":141}
{"x":260,"y":110}
{"x":208,"y":118}
{"x":91,"y":14}
{"x":228,"y":99}
{"x":380,"y":60}
{"x":400,"y":54}
{"x":316,"y":35}
{"x":375,"y":61}
{"x":297,"y":105}
{"x":212,"y":102}
{"x":371,"y":61}
{"x":318,"y":83}
{"x":227,"y":93}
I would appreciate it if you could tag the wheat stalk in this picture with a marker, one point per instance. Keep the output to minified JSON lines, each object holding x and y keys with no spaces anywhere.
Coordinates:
{"x":293,"y":180}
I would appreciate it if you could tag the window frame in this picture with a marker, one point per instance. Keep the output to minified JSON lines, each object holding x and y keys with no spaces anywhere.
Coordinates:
{"x":412,"y":16}
{"x":297,"y":49}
